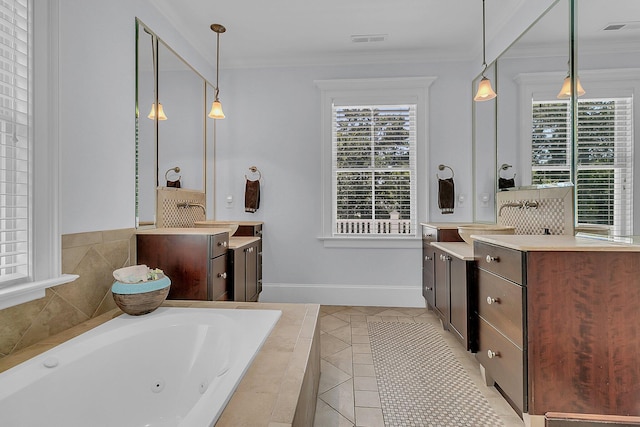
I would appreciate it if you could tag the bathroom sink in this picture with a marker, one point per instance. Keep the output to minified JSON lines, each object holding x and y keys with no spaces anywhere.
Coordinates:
{"x":232,"y":227}
{"x":466,"y":231}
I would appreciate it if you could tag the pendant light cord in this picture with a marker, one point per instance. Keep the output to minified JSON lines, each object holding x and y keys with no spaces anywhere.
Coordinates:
{"x":484,"y":44}
{"x":218,"y":63}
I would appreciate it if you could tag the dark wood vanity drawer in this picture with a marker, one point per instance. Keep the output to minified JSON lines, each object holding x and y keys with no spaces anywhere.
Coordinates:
{"x":502,"y":261}
{"x":219,"y":244}
{"x":503,"y":361}
{"x":500,"y":303}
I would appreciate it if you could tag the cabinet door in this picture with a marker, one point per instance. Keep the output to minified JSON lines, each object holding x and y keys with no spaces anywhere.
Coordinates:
{"x":218,"y":289}
{"x":441,"y":287}
{"x":458,"y":299}
{"x":428,"y":274}
{"x":251,"y":272}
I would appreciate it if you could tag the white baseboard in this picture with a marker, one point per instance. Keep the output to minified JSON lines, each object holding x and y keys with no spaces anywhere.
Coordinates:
{"x":379,"y":296}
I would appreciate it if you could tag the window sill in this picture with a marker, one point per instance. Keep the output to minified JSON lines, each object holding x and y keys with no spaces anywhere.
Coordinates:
{"x":20,"y":294}
{"x":413,"y":242}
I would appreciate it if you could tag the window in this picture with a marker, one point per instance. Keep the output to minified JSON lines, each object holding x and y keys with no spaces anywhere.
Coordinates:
{"x":374,"y":147}
{"x":29,"y":240}
{"x":15,"y":134}
{"x":604,"y":158}
{"x":374,"y":169}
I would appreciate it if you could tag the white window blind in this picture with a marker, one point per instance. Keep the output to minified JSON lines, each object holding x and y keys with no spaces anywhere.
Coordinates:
{"x":604,"y":157}
{"x":15,"y":141}
{"x":374,"y":170}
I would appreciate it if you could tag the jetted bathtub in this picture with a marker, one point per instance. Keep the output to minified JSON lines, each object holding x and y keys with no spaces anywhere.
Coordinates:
{"x":172,"y":367}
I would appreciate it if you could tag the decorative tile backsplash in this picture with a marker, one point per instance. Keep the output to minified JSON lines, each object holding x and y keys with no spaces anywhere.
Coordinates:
{"x":170,"y":215}
{"x":93,"y":256}
{"x":538,"y":210}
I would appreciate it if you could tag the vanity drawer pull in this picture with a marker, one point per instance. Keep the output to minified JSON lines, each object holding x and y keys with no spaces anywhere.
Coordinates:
{"x":222,"y":275}
{"x":491,"y":354}
{"x":223,"y":243}
{"x":491,"y":300}
{"x":491,"y":259}
{"x":427,"y":258}
{"x":427,"y":288}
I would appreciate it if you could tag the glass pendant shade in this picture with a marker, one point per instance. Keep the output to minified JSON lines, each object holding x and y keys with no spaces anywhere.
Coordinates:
{"x":161,"y":115}
{"x":565,"y":92}
{"x":485,"y":91}
{"x":216,"y":110}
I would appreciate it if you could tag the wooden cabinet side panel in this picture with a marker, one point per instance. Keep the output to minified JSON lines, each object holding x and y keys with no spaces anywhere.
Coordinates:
{"x":583,"y":332}
{"x":183,"y":258}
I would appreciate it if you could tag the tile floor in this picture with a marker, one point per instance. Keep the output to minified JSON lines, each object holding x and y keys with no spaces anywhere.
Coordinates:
{"x":348,"y":391}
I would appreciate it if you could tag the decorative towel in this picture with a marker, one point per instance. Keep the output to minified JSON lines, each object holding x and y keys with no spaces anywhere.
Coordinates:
{"x":506,"y":183}
{"x":252,"y":196}
{"x":446,"y":195}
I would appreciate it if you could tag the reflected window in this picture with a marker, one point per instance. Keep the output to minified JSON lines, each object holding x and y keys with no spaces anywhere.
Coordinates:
{"x":604,"y":157}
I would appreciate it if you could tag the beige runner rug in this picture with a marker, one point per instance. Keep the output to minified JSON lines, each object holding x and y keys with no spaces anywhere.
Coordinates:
{"x":420,"y":381}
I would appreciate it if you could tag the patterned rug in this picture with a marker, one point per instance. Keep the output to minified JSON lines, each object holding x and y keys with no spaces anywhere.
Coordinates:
{"x":420,"y":381}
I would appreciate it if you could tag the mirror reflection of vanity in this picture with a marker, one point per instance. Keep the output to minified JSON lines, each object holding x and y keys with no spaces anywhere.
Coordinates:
{"x":607,"y":62}
{"x":170,"y":150}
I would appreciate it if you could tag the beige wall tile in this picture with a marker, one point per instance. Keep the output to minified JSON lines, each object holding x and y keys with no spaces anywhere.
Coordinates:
{"x":81,"y":239}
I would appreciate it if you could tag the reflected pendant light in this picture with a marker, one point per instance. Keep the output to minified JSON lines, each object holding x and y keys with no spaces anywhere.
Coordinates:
{"x":216,"y":106}
{"x":565,"y":91}
{"x":485,"y":91}
{"x":152,"y":113}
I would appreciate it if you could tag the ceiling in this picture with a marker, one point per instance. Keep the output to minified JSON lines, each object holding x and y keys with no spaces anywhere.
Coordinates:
{"x":296,"y":32}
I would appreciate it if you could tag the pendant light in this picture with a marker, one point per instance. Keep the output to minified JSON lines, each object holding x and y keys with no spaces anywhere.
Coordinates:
{"x":567,"y":89}
{"x":152,"y":113}
{"x":485,"y":91}
{"x":216,"y":107}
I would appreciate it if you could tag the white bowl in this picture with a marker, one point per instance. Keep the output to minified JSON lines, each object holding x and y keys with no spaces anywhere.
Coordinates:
{"x":466,"y":231}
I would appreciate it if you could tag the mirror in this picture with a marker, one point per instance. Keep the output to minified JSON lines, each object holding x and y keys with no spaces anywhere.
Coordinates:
{"x":607,"y":62}
{"x":484,"y":154}
{"x":179,"y":141}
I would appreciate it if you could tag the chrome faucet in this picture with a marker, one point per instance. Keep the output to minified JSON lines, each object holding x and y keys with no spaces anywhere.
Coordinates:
{"x":189,"y":205}
{"x":520,"y":205}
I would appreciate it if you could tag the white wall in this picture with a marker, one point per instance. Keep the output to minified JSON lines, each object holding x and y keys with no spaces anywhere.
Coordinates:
{"x":273,"y":123}
{"x":97,"y":108}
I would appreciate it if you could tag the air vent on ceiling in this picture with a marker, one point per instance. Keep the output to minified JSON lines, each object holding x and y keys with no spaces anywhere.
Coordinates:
{"x":369,"y":38}
{"x":616,"y":26}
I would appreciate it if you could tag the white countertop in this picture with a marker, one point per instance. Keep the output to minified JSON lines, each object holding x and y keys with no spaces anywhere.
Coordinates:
{"x":444,"y":225}
{"x":556,"y":243}
{"x":177,"y":230}
{"x":461,"y":250}
{"x":240,"y":241}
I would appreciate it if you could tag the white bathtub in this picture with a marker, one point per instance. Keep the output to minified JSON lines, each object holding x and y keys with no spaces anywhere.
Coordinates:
{"x":172,"y":367}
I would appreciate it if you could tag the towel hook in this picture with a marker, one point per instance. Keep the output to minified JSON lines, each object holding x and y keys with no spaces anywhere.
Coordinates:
{"x":443,"y":167}
{"x":254,"y":169}
{"x":505,"y":167}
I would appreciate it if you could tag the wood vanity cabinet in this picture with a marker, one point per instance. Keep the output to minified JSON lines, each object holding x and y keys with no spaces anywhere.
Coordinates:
{"x":253,"y":228}
{"x":434,"y":233}
{"x":454,"y":294}
{"x":558,"y":329}
{"x":245,"y":265}
{"x":501,"y":307}
{"x":196,"y":262}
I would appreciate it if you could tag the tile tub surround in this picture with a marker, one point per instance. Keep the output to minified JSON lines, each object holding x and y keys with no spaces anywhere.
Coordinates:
{"x":92,"y":256}
{"x":280,"y":387}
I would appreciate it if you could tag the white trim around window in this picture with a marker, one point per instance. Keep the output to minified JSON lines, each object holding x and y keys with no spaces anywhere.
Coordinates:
{"x":378,"y":91}
{"x":45,"y":249}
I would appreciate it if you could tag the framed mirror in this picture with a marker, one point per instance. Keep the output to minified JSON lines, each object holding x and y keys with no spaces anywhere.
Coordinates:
{"x":171,"y":146}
